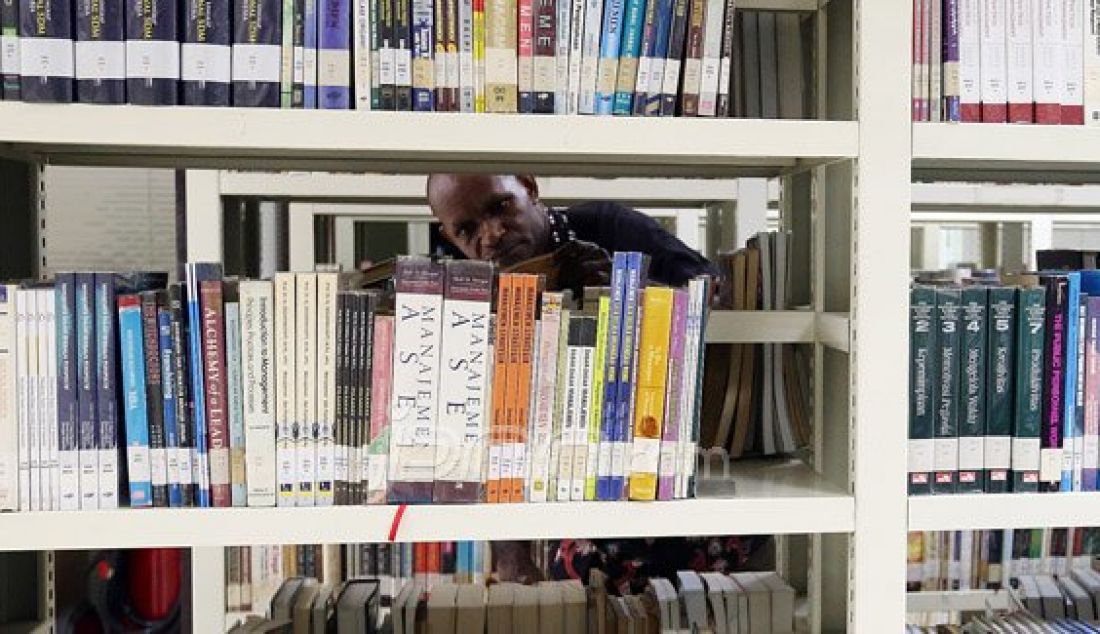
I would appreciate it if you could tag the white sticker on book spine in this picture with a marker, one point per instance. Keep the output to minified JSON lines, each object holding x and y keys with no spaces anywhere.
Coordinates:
{"x":402,"y":65}
{"x":646,"y":455}
{"x":152,"y":59}
{"x":9,"y":54}
{"x":334,"y":65}
{"x":205,"y":62}
{"x":46,"y":57}
{"x":96,"y":59}
{"x":971,"y":452}
{"x":921,"y":455}
{"x":257,"y":62}
{"x":1050,"y":465}
{"x":998,"y":452}
{"x":946,"y":454}
{"x":1025,"y":454}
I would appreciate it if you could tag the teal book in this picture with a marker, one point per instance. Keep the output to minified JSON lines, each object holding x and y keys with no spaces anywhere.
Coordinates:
{"x":1028,"y":404}
{"x":972,"y":390}
{"x":946,"y":439}
{"x":922,"y":422}
{"x":999,"y":388}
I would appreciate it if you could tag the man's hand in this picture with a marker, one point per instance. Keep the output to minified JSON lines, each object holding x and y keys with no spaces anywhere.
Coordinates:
{"x":582,"y":264}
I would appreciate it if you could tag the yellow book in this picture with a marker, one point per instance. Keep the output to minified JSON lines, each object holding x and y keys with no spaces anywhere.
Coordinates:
{"x":650,"y":386}
{"x":595,"y":411}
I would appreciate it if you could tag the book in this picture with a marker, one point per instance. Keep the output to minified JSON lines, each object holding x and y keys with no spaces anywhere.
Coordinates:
{"x":100,"y":51}
{"x":205,"y":53}
{"x":1019,"y":61}
{"x":657,"y":61}
{"x":381,"y":393}
{"x":327,"y":284}
{"x":673,"y":61}
{"x":1091,"y":64}
{"x":154,"y":397}
{"x":567,"y":49}
{"x":256,"y":63}
{"x":10,"y":403}
{"x":234,"y":393}
{"x":216,"y":390}
{"x":948,"y":349}
{"x":46,"y":51}
{"x":305,"y":391}
{"x":607,"y":68}
{"x":1047,"y":82}
{"x":185,"y":430}
{"x":547,"y":348}
{"x":999,"y":388}
{"x":712,"y":58}
{"x":500,"y":56}
{"x":595,"y":405}
{"x":287,"y":424}
{"x":309,"y":54}
{"x":423,"y":47}
{"x":334,"y":56}
{"x":1073,"y":71}
{"x":135,"y":413}
{"x":994,"y":68}
{"x":152,"y":52}
{"x":173,"y":456}
{"x":1070,"y":431}
{"x":10,"y":49}
{"x":970,"y":77}
{"x":525,"y":55}
{"x":544,"y":63}
{"x":633,"y":26}
{"x":1029,"y":371}
{"x":971,"y":391}
{"x":608,"y":435}
{"x":922,"y":382}
{"x":693,"y":58}
{"x":651,"y":391}
{"x":1055,"y":368}
{"x":66,"y":391}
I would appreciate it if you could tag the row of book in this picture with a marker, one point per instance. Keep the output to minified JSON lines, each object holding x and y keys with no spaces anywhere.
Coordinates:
{"x":624,"y":57}
{"x":739,"y":603}
{"x":994,"y":559}
{"x":311,"y":390}
{"x":757,"y":396}
{"x":1017,"y":622}
{"x":1005,"y":384}
{"x":1015,"y":61}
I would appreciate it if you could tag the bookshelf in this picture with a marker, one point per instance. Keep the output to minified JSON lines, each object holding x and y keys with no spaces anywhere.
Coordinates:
{"x":1017,"y":510}
{"x":846,"y":179}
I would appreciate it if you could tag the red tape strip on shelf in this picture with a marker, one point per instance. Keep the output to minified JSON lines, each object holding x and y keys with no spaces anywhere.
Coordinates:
{"x":397,"y":516}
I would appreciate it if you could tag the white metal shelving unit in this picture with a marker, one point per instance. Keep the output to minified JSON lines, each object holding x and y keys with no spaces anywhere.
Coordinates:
{"x":845,"y":192}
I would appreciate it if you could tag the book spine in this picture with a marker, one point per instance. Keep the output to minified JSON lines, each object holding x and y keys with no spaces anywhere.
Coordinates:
{"x":364,"y":51}
{"x":1073,"y":64}
{"x":85,"y":377}
{"x":205,"y":53}
{"x":381,"y":393}
{"x":286,"y":423}
{"x":168,"y":407}
{"x":154,"y":398}
{"x":344,"y":486}
{"x":645,"y":58}
{"x":542,"y":431}
{"x":501,"y":64}
{"x":971,"y":391}
{"x":693,"y":59}
{"x":438,"y":55}
{"x":627,"y":75}
{"x":604,"y":490}
{"x":152,"y":52}
{"x":935,"y":62}
{"x":387,"y":61}
{"x":607,"y":70}
{"x":561,"y":407}
{"x":367,"y":405}
{"x":1051,"y":453}
{"x":948,"y":346}
{"x":36,"y":371}
{"x":998,"y":434}
{"x":402,"y":55}
{"x":286,"y":54}
{"x":238,"y":493}
{"x":585,"y":398}
{"x":993,"y":65}
{"x":1091,"y":64}
{"x":466,"y":47}
{"x":133,"y":389}
{"x":670,"y":431}
{"x":1070,"y":431}
{"x":505,"y":295}
{"x":651,"y":390}
{"x":569,"y":406}
{"x":595,"y":406}
{"x":525,"y":55}
{"x":1091,"y":405}
{"x":326,"y":386}
{"x":185,"y":430}
{"x":1047,"y":60}
{"x":107,"y":390}
{"x":257,"y":54}
{"x":100,"y":52}
{"x":545,"y":66}
{"x":712,"y":52}
{"x":698,"y":292}
{"x":590,"y":56}
{"x":951,"y":88}
{"x":9,"y":400}
{"x":525,"y":371}
{"x":453,"y":77}
{"x":305,"y":340}
{"x":67,"y":388}
{"x":723,"y":107}
{"x":10,"y":48}
{"x":309,"y":55}
{"x":25,"y":368}
{"x":216,"y":392}
{"x":480,"y":48}
{"x":922,"y":350}
{"x":334,"y":63}
{"x":621,"y":455}
{"x":417,"y":337}
{"x":423,"y":47}
{"x":918,"y":60}
{"x":48,"y":358}
{"x":677,"y":38}
{"x":46,"y":51}
{"x":1019,"y":63}
{"x":576,"y":56}
{"x":970,"y":70}
{"x":468,"y":290}
{"x":570,"y":16}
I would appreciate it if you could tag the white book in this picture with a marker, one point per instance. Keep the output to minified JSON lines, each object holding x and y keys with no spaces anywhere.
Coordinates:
{"x":1018,"y":36}
{"x":1091,"y":68}
{"x":52,"y":477}
{"x":542,"y":431}
{"x":326,"y":387}
{"x":561,"y":371}
{"x":463,"y":407}
{"x":9,"y":400}
{"x":785,"y":436}
{"x":466,"y":74}
{"x":576,"y":57}
{"x":584,"y":402}
{"x":35,"y":397}
{"x":687,"y":439}
{"x":1046,"y":42}
{"x":306,"y":387}
{"x":258,"y":385}
{"x":590,"y":56}
{"x":418,"y":327}
{"x":970,"y":43}
{"x":286,"y":411}
{"x":569,"y":411}
{"x":363,"y":78}
{"x":562,"y":47}
{"x":994,"y":69}
{"x":712,"y":57}
{"x":1073,"y":69}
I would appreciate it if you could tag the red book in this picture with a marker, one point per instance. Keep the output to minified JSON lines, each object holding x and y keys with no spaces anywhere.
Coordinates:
{"x":217,"y":390}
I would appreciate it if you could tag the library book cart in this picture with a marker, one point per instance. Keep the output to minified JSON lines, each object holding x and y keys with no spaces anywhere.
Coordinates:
{"x":845,"y":193}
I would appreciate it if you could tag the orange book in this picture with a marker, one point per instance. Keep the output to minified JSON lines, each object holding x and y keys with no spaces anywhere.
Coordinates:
{"x":500,"y":388}
{"x":528,"y":305}
{"x":420,"y":563}
{"x":435,"y":563}
{"x":511,"y":398}
{"x":650,"y":391}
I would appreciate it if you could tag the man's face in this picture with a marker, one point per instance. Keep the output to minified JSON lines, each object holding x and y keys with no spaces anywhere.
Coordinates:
{"x":487,"y":217}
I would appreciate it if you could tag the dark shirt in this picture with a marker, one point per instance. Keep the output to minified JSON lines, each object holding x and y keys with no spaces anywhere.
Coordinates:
{"x":617,"y":227}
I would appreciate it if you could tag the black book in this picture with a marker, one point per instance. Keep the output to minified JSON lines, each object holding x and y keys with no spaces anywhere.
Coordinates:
{"x":205,"y":56}
{"x":100,"y":51}
{"x":257,"y":53}
{"x":154,"y":395}
{"x":46,"y":50}
{"x":10,"y":88}
{"x":177,"y":306}
{"x":152,"y":52}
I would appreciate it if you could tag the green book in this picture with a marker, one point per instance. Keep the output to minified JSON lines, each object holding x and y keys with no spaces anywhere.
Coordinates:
{"x":946,"y":439}
{"x":999,"y":389}
{"x":922,"y":421}
{"x":1028,"y":407}
{"x":972,"y":391}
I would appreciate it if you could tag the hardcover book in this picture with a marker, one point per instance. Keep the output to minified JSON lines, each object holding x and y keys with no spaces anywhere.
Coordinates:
{"x":216,"y":389}
{"x":205,"y":53}
{"x":154,"y":397}
{"x":100,"y":51}
{"x":152,"y":52}
{"x":922,"y":381}
{"x":334,"y":56}
{"x":971,"y":391}
{"x":67,"y":388}
{"x":948,"y":348}
{"x":9,"y":404}
{"x":135,"y":413}
{"x":257,"y":57}
{"x":999,"y":388}
{"x":10,"y":48}
{"x":46,"y":50}
{"x":651,"y":391}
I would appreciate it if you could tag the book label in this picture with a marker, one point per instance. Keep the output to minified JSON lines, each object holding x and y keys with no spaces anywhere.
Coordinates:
{"x":99,"y":59}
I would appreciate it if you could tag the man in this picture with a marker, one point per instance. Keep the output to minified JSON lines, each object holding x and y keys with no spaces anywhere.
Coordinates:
{"x":500,"y":218}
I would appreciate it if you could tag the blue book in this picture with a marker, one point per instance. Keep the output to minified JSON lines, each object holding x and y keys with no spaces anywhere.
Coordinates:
{"x":87,"y":386}
{"x":205,"y":54}
{"x":633,"y":21}
{"x":1071,"y":438}
{"x":107,"y":395}
{"x":1090,"y":286}
{"x":604,"y":468}
{"x":423,"y":47}
{"x":46,"y":50}
{"x":661,"y":32}
{"x":607,"y":70}
{"x":636,"y":274}
{"x":309,"y":42}
{"x":257,"y":53}
{"x":132,"y":354}
{"x":168,"y":393}
{"x":152,"y":52}
{"x":334,"y":55}
{"x":196,"y":273}
{"x":100,"y":52}
{"x":67,"y":416}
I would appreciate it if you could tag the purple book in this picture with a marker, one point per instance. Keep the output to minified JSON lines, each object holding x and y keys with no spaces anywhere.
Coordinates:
{"x":67,"y":421}
{"x":670,"y":435}
{"x":1092,"y":393}
{"x":952,"y":89}
{"x":1050,"y":469}
{"x":334,"y":55}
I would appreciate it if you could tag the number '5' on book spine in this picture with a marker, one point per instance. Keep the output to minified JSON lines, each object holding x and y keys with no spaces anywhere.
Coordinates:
{"x":46,"y":50}
{"x":999,"y":388}
{"x":257,"y":53}
{"x":134,"y":405}
{"x":100,"y":51}
{"x":152,"y":52}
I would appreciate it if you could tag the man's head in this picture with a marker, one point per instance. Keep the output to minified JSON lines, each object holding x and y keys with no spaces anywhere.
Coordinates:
{"x":490,"y":217}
